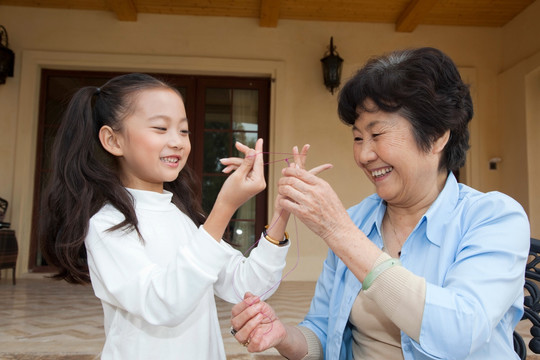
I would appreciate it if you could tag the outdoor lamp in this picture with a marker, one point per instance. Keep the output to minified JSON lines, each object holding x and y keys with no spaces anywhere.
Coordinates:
{"x":7,"y":57}
{"x":331,"y":64}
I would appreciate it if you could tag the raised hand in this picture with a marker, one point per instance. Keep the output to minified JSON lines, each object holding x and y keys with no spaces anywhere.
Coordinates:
{"x":248,"y":179}
{"x":245,"y":182}
{"x":312,"y":200}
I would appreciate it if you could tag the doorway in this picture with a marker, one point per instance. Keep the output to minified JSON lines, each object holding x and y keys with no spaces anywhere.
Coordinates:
{"x":220,"y":110}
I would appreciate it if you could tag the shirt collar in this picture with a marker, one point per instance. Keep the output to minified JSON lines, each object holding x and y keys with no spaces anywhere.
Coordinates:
{"x":440,"y":211}
{"x":373,"y":222}
{"x":435,"y":217}
{"x":151,"y":200}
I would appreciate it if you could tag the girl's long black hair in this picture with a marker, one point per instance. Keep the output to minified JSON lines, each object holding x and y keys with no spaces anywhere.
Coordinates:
{"x":85,"y":176}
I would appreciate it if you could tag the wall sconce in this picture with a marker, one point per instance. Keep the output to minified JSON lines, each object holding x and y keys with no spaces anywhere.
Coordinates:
{"x":7,"y":57}
{"x":331,"y":64}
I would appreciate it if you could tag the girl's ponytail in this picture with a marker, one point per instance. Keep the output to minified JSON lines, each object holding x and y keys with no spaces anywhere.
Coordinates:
{"x":68,"y":199}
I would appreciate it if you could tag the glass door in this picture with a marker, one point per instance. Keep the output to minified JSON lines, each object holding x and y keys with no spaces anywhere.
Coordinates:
{"x":220,"y":110}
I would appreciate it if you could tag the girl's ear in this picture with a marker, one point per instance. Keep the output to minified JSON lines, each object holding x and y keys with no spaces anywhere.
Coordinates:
{"x":109,"y":140}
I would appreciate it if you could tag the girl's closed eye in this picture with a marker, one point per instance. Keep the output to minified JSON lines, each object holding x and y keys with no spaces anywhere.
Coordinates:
{"x":185,"y":132}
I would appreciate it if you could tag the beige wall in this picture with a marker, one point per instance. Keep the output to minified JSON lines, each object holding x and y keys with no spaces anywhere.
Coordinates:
{"x":303,"y":111}
{"x":519,"y":112}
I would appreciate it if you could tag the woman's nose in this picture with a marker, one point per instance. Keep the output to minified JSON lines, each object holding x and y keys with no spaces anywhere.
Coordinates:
{"x":366,"y":152}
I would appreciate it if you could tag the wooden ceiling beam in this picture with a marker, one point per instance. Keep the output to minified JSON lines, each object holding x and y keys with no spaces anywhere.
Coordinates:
{"x":124,"y":9}
{"x":269,"y":13}
{"x":414,"y":14}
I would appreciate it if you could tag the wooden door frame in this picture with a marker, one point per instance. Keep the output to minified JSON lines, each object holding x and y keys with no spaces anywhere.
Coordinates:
{"x":194,"y":112}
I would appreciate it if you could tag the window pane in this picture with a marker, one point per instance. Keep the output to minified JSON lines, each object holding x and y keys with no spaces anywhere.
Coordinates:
{"x":211,"y":187}
{"x":242,"y":234}
{"x":217,"y":109}
{"x":246,"y":211}
{"x":216,"y":146}
{"x":245,"y":109}
{"x":245,"y":138}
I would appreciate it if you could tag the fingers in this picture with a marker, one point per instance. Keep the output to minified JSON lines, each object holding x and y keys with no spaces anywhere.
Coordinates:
{"x":308,"y":177}
{"x":319,"y":169}
{"x":249,"y":299}
{"x":231,"y":164}
{"x":258,"y":166}
{"x":246,"y":316}
{"x":242,"y":148}
{"x":247,"y":162}
{"x":300,"y":157}
{"x":253,"y":158}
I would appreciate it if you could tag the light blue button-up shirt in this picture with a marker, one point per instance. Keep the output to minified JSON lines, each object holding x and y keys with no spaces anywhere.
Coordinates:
{"x":471,"y":248}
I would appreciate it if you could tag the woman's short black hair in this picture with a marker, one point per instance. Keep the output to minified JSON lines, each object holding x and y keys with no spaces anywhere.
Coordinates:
{"x":424,"y":86}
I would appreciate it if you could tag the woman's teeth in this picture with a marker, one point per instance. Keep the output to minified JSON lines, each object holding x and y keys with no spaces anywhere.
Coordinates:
{"x":381,"y":172}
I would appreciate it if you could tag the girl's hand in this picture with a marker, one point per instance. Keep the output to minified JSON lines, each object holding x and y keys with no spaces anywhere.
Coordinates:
{"x":256,"y":324}
{"x":247,"y":180}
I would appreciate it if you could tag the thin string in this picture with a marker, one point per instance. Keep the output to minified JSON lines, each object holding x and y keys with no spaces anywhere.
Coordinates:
{"x":286,"y":274}
{"x":252,"y":246}
{"x":270,"y":227}
{"x":275,"y":153}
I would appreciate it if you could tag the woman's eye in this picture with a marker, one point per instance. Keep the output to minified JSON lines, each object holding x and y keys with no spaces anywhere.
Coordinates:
{"x":160,"y":128}
{"x":375,"y":135}
{"x":358,"y":138}
{"x":185,"y":132}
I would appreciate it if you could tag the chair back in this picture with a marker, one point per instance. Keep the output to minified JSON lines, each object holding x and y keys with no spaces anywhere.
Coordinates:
{"x":3,"y":208}
{"x":531,"y":303}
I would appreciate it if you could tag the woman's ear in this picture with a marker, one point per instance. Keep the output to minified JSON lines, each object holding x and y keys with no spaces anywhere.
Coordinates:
{"x":441,"y":142}
{"x":109,"y":140}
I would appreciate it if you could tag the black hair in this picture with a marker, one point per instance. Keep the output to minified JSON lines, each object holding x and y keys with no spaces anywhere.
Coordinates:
{"x":424,"y":86}
{"x":85,"y":176}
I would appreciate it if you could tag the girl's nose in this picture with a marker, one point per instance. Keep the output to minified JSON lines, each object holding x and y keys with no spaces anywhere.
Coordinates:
{"x":177,"y":140}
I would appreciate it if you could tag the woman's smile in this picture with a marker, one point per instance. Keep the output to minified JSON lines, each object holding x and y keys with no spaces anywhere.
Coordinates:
{"x":379,"y":174}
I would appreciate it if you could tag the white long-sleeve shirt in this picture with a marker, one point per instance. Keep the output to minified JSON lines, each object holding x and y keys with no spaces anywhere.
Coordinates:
{"x":158,"y":293}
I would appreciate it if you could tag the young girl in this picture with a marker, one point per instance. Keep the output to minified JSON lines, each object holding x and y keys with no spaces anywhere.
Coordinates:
{"x":121,"y":211}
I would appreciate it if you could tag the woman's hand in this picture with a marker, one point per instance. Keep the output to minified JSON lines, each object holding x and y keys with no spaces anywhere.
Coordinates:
{"x":248,"y":179}
{"x":256,"y":325}
{"x":300,"y":162}
{"x":313,"y":201}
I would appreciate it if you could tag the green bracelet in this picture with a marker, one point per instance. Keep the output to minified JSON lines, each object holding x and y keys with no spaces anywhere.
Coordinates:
{"x":378,"y":270}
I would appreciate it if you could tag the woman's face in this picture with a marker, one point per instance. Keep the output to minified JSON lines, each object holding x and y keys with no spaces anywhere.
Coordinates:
{"x":384,"y":147}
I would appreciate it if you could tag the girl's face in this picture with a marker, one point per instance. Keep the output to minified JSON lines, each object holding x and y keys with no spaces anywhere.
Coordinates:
{"x":384,"y":147}
{"x":154,"y":140}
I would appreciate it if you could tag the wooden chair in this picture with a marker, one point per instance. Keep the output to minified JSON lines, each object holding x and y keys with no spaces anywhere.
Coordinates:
{"x":8,"y":250}
{"x":8,"y":242}
{"x":3,"y":209}
{"x":531,"y":303}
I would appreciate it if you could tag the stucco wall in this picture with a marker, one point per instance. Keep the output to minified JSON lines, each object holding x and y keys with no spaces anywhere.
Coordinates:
{"x":519,"y":112}
{"x":303,"y":111}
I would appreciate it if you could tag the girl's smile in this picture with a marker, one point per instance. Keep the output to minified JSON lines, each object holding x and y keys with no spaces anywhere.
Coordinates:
{"x":154,"y":140}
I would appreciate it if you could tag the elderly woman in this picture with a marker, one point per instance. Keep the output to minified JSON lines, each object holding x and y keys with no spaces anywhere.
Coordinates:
{"x":426,"y":268}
